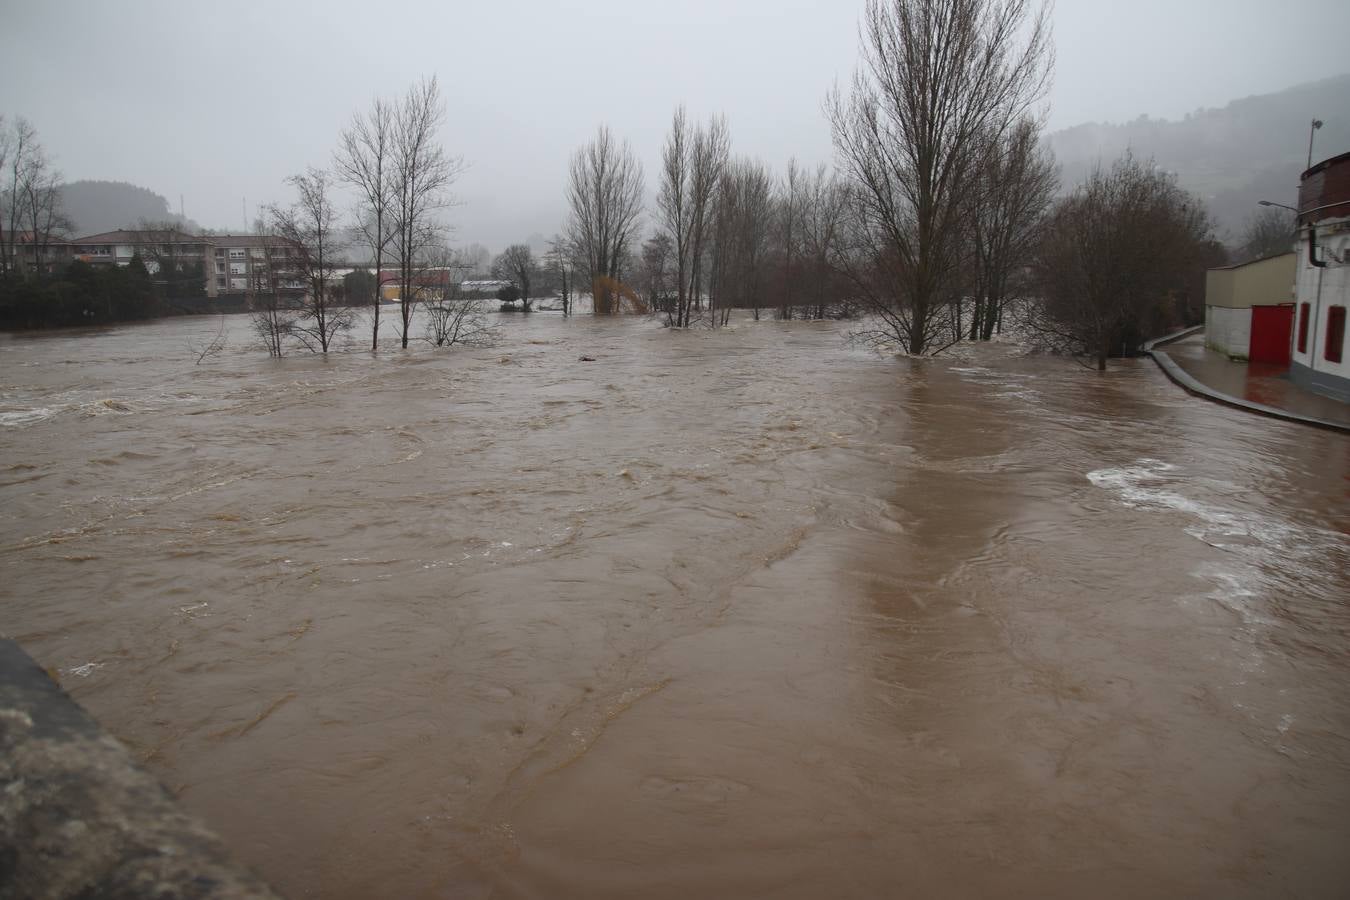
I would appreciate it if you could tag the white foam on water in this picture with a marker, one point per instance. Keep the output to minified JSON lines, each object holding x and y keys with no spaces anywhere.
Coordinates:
{"x":1152,"y":484}
{"x":20,"y":418}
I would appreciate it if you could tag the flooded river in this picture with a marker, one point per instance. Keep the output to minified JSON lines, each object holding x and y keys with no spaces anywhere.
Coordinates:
{"x":734,"y":614}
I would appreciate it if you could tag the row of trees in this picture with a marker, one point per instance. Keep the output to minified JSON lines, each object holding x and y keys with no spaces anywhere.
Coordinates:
{"x":728,"y":232}
{"x":942,"y":215}
{"x":391,"y":157}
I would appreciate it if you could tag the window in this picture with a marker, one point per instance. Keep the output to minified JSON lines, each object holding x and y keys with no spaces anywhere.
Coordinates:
{"x":1335,"y":334}
{"x":220,"y":268}
{"x":1303,"y":328}
{"x":237,"y":253}
{"x":238,"y":268}
{"x":220,"y":282}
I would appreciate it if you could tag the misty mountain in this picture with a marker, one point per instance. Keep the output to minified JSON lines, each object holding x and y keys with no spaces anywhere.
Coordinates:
{"x":96,"y":206}
{"x":1252,"y":149}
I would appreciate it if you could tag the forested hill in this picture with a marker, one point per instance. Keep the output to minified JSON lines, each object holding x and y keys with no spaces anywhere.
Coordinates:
{"x":1252,"y":149}
{"x":95,"y":206}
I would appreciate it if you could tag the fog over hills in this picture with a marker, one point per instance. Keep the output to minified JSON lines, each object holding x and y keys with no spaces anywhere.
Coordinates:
{"x":1252,"y":149}
{"x":96,"y":206}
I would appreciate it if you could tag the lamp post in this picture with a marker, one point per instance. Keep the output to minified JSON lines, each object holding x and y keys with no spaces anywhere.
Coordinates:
{"x":1316,"y":124}
{"x":1272,"y":203}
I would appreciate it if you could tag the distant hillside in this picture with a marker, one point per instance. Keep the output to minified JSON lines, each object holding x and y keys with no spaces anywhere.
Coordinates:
{"x":96,"y":206}
{"x":1252,"y":149}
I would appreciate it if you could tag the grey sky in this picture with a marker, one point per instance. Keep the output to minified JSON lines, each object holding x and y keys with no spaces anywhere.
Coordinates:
{"x":219,"y":102}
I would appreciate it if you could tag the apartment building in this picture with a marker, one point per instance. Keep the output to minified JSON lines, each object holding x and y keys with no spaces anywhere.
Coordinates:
{"x":230,"y":263}
{"x":252,"y":263}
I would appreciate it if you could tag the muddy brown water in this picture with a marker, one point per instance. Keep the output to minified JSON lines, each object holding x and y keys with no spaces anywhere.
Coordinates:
{"x":745,"y":614}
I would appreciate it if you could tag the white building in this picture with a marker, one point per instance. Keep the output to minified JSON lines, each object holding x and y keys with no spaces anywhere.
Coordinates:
{"x":1320,"y":360}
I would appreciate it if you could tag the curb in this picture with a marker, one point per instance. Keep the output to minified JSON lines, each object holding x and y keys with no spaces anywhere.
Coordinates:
{"x":1191,"y":385}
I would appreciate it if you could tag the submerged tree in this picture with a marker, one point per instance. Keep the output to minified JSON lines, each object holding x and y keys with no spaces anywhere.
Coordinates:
{"x":560,"y":266}
{"x":822,"y":218}
{"x":422,"y":175}
{"x":656,"y":274}
{"x":741,"y":235}
{"x":271,"y":315}
{"x":365,"y":162}
{"x":1111,"y":253}
{"x":308,"y":232}
{"x":787,"y":239}
{"x":1016,"y":182}
{"x":692,"y":163}
{"x":516,"y":264}
{"x":605,"y":194}
{"x":939,"y":79}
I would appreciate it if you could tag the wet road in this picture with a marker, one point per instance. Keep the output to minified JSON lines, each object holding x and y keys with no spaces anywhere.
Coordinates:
{"x":734,"y":614}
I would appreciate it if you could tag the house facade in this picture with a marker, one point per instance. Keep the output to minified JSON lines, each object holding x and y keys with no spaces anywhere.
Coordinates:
{"x":1320,"y":359}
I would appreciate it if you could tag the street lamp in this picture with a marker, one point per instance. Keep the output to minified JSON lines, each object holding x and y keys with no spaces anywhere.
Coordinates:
{"x":1280,"y":205}
{"x":1316,"y":124}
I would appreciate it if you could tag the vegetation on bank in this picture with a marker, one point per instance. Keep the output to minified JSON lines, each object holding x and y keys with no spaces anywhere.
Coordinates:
{"x":79,"y":294}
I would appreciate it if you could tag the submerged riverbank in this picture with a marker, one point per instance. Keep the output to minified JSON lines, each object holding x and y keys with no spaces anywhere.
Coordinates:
{"x":729,"y":613}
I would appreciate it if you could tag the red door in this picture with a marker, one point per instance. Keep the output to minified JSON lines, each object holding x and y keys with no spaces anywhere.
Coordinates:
{"x":1271,"y":327}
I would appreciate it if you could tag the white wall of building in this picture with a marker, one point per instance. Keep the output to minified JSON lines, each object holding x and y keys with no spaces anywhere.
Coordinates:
{"x":1322,"y":288}
{"x":1229,"y":331}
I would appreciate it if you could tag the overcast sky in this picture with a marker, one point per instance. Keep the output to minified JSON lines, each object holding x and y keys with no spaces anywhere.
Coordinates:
{"x":220,"y":101}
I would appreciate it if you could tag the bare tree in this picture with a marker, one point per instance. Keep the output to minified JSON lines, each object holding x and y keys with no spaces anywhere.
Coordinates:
{"x":676,"y":207}
{"x":692,"y":163}
{"x":1016,"y":183}
{"x":46,"y":219}
{"x":559,"y":258}
{"x":310,"y":227}
{"x":365,"y":161}
{"x":938,"y":76}
{"x":1112,"y":252}
{"x":19,"y":145}
{"x":516,"y":263}
{"x":176,"y":270}
{"x":30,"y":204}
{"x":476,"y":259}
{"x":712,"y":150}
{"x":788,"y":214}
{"x":822,"y":215}
{"x":6,"y":148}
{"x":422,"y":177}
{"x":271,"y":316}
{"x":214,"y":346}
{"x":451,"y":318}
{"x":605,"y":191}
{"x":1269,"y":232}
{"x":741,"y":235}
{"x":656,"y":273}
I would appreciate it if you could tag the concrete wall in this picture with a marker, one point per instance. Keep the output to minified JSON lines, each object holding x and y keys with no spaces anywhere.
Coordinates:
{"x":1229,"y":331}
{"x":1266,"y":282}
{"x":79,"y":820}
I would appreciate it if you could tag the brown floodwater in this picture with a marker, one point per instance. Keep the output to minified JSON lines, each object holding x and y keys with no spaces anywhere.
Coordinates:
{"x":733,"y":614}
